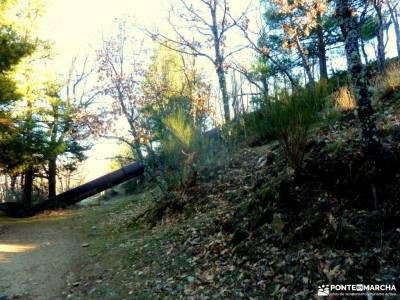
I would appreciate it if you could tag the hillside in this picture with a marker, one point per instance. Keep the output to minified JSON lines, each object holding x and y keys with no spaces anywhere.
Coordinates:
{"x":248,"y":230}
{"x":255,"y":230}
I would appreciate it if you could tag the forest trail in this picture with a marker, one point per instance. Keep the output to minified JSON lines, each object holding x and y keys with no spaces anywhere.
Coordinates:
{"x":37,"y":254}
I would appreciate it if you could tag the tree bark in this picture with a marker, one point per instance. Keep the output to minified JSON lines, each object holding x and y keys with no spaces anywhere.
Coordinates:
{"x":28,"y":177}
{"x":28,"y":186}
{"x":13,"y":184}
{"x":219,"y":62}
{"x":52,"y":177}
{"x":224,"y":91}
{"x":6,"y":182}
{"x":350,"y":31}
{"x":52,"y":164}
{"x":264,"y":81}
{"x":395,"y":19}
{"x":136,"y":143}
{"x":22,"y":180}
{"x":379,"y":36}
{"x":323,"y":69}
{"x":364,"y":52}
{"x":362,"y":21}
{"x":306,"y":64}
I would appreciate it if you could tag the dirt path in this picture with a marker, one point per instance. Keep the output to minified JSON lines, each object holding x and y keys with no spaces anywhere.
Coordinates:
{"x":37,"y":254}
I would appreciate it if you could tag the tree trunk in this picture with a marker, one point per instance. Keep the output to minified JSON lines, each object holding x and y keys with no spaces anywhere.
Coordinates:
{"x":22,"y":180}
{"x":395,"y":20}
{"x":28,"y":177}
{"x":13,"y":184}
{"x":224,"y":91}
{"x":349,"y":28}
{"x":264,"y":81}
{"x":219,"y":63}
{"x":363,"y":52}
{"x":138,"y":150}
{"x":379,"y":36}
{"x":137,"y":145}
{"x":52,"y":165}
{"x":323,"y":69}
{"x":306,"y":64}
{"x":235,"y":97}
{"x":362,"y":21}
{"x":397,"y":31}
{"x":136,"y":138}
{"x":52,"y":177}
{"x":28,"y":186}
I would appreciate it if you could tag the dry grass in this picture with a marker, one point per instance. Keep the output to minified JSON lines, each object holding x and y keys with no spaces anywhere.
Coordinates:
{"x":388,"y":83}
{"x":344,"y":100}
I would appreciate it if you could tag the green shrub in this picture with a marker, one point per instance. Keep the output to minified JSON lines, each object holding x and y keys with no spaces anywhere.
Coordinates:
{"x":180,"y":146}
{"x":253,"y":129}
{"x":256,"y":128}
{"x":291,"y":116}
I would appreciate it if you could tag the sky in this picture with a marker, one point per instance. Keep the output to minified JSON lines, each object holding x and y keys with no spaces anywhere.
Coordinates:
{"x":75,"y":27}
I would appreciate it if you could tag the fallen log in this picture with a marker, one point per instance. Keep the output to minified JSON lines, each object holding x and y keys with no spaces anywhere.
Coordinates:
{"x":76,"y":194}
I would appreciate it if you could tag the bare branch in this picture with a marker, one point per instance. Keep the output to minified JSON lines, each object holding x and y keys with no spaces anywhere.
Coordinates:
{"x":191,"y":10}
{"x":265,"y":52}
{"x":121,"y":139}
{"x":248,"y":76}
{"x":179,"y":46}
{"x":236,"y":51}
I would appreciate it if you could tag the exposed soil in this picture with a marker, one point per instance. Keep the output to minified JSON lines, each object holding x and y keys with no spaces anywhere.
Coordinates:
{"x":36,"y":254}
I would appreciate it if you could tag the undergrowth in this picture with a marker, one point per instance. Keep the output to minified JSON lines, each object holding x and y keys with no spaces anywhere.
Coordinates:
{"x":253,"y":229}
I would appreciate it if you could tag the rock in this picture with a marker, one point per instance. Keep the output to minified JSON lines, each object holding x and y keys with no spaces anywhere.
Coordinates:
{"x":93,"y":231}
{"x":261,"y":162}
